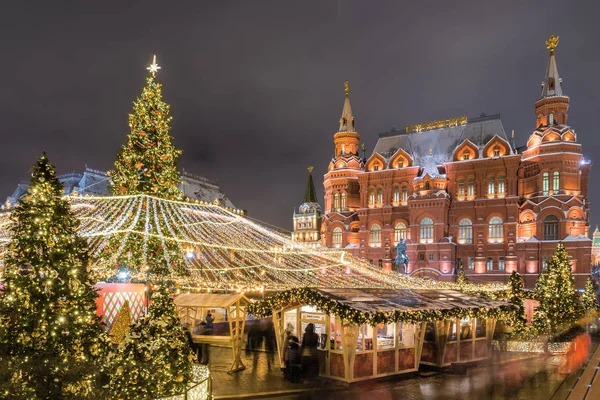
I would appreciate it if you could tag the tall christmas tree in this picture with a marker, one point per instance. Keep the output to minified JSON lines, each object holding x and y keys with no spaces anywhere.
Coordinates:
{"x":589,"y":301}
{"x":52,"y":343}
{"x":155,"y":359}
{"x":516,"y":296}
{"x":147,"y":164}
{"x":555,"y":290}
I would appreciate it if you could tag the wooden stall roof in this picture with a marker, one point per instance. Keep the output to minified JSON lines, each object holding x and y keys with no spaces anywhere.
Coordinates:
{"x":385,"y":300}
{"x":210,"y":300}
{"x":374,"y":306}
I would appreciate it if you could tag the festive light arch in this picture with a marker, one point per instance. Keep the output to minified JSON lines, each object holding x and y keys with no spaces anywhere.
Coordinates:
{"x":223,"y":250}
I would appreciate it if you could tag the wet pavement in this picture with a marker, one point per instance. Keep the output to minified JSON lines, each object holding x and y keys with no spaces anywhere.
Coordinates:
{"x":534,"y":378}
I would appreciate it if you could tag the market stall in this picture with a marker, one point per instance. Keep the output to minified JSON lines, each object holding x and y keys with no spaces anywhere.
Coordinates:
{"x":371,"y":333}
{"x":229,"y":312}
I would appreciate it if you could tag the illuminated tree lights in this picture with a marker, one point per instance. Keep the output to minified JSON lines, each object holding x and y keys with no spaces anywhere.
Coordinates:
{"x":516,"y":295}
{"x":555,"y":290}
{"x":52,"y":344}
{"x":155,"y":359}
{"x":147,"y":164}
{"x":589,"y":301}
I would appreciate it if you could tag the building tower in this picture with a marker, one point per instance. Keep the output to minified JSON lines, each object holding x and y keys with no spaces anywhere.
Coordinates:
{"x":342,"y":190}
{"x":596,"y":247}
{"x":553,"y":183}
{"x":307,"y":221}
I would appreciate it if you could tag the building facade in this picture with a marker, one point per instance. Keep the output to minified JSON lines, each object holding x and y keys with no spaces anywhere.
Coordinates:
{"x":307,"y":221}
{"x":460,"y":193}
{"x":94,"y":182}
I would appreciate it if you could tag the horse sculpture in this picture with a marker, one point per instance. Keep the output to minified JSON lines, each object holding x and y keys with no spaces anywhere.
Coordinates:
{"x":401,"y":257}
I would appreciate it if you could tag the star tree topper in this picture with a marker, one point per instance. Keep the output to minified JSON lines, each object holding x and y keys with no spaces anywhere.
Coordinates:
{"x":153,"y":68}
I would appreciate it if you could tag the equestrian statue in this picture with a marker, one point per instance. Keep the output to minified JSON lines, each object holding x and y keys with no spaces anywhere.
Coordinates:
{"x":401,"y":257}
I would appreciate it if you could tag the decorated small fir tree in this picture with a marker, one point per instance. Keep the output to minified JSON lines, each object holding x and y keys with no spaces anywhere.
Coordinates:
{"x":52,"y":344}
{"x":555,"y":290}
{"x":121,"y":324}
{"x":516,"y":295}
{"x":155,"y":359}
{"x":589,"y":301}
{"x":462,"y":279}
{"x":147,"y":164}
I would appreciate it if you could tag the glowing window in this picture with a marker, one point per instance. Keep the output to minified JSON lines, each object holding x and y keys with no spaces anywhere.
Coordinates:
{"x":380,"y":196}
{"x":466,"y":155}
{"x":556,"y":181}
{"x":426,"y":230}
{"x":501,"y":184}
{"x":375,"y":236}
{"x":396,"y":194}
{"x":399,"y":231}
{"x":491,"y":186}
{"x":336,"y":238}
{"x":371,"y":197}
{"x":471,"y":187}
{"x":496,"y":231}
{"x":545,"y":181}
{"x":465,"y":231}
{"x":404,"y":194}
{"x":461,"y":188}
{"x":427,"y":185}
{"x":336,"y":201}
{"x":343,"y":201}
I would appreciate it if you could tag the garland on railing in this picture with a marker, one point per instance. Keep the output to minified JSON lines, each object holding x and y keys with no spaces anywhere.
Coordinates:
{"x":307,"y":296}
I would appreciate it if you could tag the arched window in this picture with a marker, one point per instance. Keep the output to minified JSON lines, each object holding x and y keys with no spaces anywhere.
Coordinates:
{"x":501,"y":185}
{"x":556,"y":182}
{"x":496,"y":232}
{"x":380,"y":197}
{"x":466,"y":155}
{"x":371,"y":197}
{"x":336,"y":238}
{"x":396,"y":195}
{"x":496,"y":151}
{"x":471,"y":187}
{"x":491,"y":186}
{"x":404,"y":194}
{"x":461,"y":188}
{"x":343,"y":149}
{"x":551,"y":119}
{"x":343,"y":201}
{"x":465,"y":231}
{"x":550,"y":228}
{"x":336,"y":202}
{"x":399,"y":231}
{"x":545,"y":180}
{"x":427,"y":185}
{"x":376,"y":167}
{"x":375,"y":236}
{"x":426,"y":230}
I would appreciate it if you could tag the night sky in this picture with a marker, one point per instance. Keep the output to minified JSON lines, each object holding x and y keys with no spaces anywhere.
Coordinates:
{"x":256,"y":88}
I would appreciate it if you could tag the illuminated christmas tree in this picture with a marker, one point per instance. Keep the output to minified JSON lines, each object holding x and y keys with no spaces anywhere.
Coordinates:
{"x":52,"y":343}
{"x":555,"y":290}
{"x":462,"y":279}
{"x":147,"y":164}
{"x":589,"y":301}
{"x":121,"y":325}
{"x":155,"y":359}
{"x":516,"y":295}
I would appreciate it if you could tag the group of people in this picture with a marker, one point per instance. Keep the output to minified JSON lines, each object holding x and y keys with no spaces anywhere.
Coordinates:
{"x":205,"y":327}
{"x":301,"y":359}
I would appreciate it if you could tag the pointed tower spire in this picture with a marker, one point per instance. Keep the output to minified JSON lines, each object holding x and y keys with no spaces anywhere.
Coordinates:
{"x":552,"y":84}
{"x":347,"y":120}
{"x":310,"y":195}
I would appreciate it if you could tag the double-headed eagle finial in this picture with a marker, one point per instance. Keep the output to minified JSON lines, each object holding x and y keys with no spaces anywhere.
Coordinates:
{"x":552,"y":42}
{"x":310,"y":169}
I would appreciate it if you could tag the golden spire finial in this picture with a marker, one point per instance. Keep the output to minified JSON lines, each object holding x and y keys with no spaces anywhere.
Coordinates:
{"x":153,"y":68}
{"x":347,"y":88}
{"x":513,"y":135}
{"x":552,"y":43}
{"x":430,"y":150}
{"x":310,"y":169}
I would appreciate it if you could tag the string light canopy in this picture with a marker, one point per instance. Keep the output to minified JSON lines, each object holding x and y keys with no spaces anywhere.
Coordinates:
{"x":222,"y":249}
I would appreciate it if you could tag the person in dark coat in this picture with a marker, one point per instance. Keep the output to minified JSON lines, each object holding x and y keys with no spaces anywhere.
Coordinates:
{"x":310,"y":358}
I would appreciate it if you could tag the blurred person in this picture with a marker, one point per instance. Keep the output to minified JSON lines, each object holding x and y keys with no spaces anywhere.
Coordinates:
{"x":310,"y":359}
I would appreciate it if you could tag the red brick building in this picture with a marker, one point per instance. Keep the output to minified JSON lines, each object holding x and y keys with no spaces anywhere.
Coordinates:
{"x":461,"y":193}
